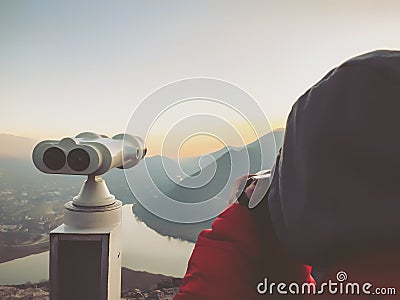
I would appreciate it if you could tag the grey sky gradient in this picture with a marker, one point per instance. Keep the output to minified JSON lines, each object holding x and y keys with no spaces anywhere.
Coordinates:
{"x":72,"y":66}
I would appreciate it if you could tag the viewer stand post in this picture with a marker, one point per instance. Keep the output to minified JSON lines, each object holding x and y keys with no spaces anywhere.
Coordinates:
{"x":85,"y":251}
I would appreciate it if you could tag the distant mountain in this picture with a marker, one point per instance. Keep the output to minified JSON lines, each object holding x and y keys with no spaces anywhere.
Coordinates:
{"x":230,"y":163}
{"x":212,"y":181}
{"x":16,"y":146}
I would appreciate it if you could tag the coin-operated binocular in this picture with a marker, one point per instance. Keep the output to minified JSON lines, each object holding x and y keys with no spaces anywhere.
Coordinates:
{"x":85,"y":251}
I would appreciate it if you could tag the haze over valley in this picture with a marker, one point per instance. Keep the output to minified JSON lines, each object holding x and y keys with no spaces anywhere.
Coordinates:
{"x":32,"y":202}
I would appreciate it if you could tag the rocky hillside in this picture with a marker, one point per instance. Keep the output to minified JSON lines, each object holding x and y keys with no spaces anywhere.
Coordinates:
{"x":135,"y":285}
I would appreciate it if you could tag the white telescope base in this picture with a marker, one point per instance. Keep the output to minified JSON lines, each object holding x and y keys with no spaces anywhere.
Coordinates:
{"x":85,"y":253}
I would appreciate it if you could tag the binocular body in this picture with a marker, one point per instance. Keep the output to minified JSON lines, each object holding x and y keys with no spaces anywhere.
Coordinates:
{"x":88,"y":154}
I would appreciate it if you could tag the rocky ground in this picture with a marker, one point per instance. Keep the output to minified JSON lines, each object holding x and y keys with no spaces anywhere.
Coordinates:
{"x":40,"y":291}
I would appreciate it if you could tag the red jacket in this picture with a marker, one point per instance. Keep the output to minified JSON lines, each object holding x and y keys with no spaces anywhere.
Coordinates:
{"x":230,"y":260}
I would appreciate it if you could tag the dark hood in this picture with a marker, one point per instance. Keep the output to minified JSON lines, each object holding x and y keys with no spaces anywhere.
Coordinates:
{"x":336,"y":190}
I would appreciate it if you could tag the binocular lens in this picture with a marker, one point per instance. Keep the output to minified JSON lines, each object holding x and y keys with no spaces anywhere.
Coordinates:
{"x":54,"y":158}
{"x":78,"y":160}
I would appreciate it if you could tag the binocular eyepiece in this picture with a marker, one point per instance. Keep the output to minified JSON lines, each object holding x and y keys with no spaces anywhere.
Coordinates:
{"x":88,"y":154}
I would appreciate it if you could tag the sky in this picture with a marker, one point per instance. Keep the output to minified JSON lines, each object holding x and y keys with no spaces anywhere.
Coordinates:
{"x":73,"y":66}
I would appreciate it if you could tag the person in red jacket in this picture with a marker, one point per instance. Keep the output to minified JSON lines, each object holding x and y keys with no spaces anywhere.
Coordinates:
{"x":333,"y":201}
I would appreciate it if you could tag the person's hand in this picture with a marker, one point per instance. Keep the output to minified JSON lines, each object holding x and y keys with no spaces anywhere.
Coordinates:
{"x":238,"y":186}
{"x":250,"y":189}
{"x":250,"y":186}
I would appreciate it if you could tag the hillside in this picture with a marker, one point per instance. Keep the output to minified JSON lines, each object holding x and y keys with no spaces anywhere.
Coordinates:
{"x":16,"y":146}
{"x":146,"y":281}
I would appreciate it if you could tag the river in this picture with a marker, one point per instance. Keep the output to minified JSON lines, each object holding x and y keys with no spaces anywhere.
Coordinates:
{"x":143,"y":249}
